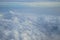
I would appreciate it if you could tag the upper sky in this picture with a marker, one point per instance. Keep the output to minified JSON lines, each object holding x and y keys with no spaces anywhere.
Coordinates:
{"x":29,"y":0}
{"x":31,"y":7}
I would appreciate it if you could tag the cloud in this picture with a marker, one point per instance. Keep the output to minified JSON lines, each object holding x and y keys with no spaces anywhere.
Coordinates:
{"x":31,"y":4}
{"x":1,"y":15}
{"x":43,"y":4}
{"x":11,"y":12}
{"x":30,"y":31}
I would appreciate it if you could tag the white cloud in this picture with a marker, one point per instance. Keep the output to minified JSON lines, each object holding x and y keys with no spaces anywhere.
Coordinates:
{"x":32,"y":4}
{"x":45,"y":4}
{"x":1,"y":15}
{"x":11,"y":12}
{"x":7,"y":32}
{"x":16,"y":35}
{"x":25,"y":36}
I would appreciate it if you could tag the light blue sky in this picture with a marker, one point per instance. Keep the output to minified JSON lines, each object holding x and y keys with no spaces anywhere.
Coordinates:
{"x":27,"y":0}
{"x":47,"y":8}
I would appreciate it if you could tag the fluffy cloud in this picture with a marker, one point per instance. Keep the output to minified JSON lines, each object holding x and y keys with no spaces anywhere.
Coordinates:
{"x":30,"y":29}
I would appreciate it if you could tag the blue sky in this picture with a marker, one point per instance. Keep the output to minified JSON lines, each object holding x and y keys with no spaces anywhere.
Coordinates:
{"x":34,"y":8}
{"x":47,"y":8}
{"x":27,"y":0}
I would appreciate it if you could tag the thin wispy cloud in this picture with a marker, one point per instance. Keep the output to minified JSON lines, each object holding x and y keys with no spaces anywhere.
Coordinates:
{"x":31,"y":4}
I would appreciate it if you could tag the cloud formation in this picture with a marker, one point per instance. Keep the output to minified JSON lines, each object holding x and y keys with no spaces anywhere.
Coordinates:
{"x":44,"y":27}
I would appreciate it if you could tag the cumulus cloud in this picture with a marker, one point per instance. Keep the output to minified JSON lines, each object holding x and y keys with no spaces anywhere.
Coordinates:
{"x":32,"y":28}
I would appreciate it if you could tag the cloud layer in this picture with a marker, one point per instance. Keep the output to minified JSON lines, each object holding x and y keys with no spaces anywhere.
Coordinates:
{"x":29,"y":27}
{"x":31,"y":4}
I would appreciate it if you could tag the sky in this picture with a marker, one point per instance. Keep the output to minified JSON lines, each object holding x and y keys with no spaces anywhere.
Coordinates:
{"x":33,"y":19}
{"x":47,"y":8}
{"x":28,"y":0}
